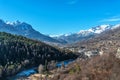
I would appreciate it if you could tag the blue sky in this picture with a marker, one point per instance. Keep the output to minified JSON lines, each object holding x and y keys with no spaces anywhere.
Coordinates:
{"x":61,"y":16}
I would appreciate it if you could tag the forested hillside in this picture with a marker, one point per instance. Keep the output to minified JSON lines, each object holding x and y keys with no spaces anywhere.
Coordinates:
{"x":17,"y":53}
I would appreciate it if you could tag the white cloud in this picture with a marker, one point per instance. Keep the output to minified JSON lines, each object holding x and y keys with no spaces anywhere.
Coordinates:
{"x":111,"y":19}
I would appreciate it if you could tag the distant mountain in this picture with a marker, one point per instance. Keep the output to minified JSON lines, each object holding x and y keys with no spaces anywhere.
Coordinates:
{"x":85,"y":34}
{"x":24,"y":29}
{"x":107,"y":41}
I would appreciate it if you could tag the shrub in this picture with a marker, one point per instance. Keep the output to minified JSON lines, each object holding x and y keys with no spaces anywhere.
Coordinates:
{"x":41,"y":69}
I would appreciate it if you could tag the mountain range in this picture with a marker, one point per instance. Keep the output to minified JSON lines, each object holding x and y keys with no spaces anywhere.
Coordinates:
{"x":25,"y":29}
{"x":18,"y":53}
{"x":85,"y":34}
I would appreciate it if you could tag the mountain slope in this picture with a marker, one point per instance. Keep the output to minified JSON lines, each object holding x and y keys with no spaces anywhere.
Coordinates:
{"x":107,"y":41}
{"x":101,"y":67}
{"x":24,"y":29}
{"x":17,"y":53}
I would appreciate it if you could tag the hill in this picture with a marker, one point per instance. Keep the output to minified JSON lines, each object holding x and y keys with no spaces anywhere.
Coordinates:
{"x":100,"y":67}
{"x":107,"y":42}
{"x":105,"y":67}
{"x":18,"y":53}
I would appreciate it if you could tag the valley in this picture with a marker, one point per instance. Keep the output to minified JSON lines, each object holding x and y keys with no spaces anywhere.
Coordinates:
{"x":88,"y":55}
{"x":59,"y":40}
{"x":18,"y":53}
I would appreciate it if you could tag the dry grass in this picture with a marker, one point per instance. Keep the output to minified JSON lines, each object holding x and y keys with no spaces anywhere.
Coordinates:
{"x":105,"y":67}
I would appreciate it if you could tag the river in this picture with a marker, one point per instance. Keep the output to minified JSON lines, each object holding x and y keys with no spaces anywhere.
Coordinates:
{"x":28,"y":72}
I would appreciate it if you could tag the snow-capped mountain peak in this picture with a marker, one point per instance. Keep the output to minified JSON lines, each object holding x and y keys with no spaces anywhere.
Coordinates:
{"x":13,"y":23}
{"x":10,"y":23}
{"x":100,"y":28}
{"x":96,"y":30}
{"x":24,"y":29}
{"x":86,"y":34}
{"x":19,"y":25}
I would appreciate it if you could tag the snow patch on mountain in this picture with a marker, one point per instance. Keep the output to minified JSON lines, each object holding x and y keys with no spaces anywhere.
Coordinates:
{"x":10,"y":23}
{"x":96,"y":30}
{"x":13,"y":23}
{"x":61,"y":35}
{"x":101,"y":28}
{"x":56,"y":35}
{"x":116,"y":26}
